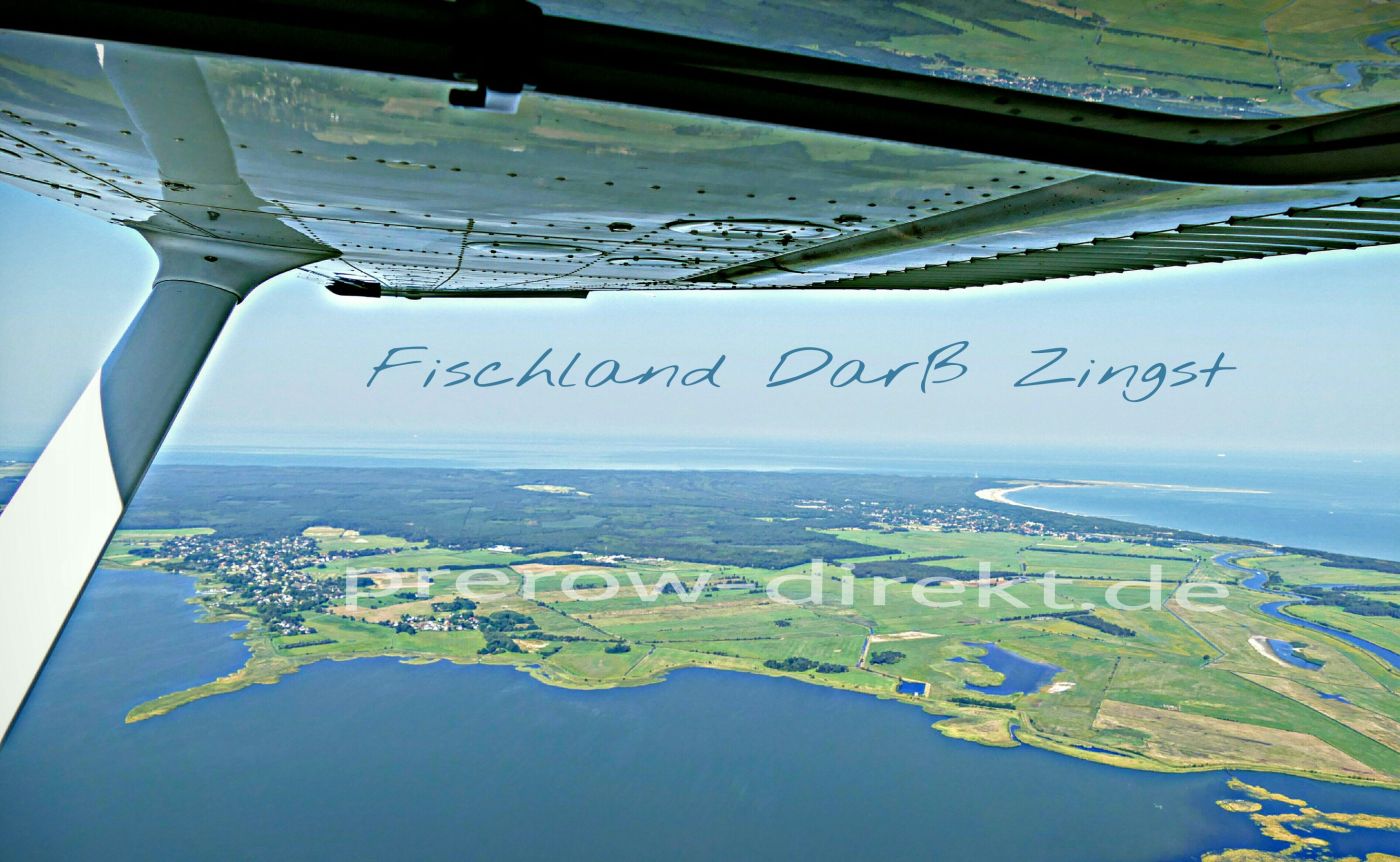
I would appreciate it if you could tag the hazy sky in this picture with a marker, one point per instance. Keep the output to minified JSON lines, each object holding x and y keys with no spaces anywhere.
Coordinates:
{"x":1313,"y":340}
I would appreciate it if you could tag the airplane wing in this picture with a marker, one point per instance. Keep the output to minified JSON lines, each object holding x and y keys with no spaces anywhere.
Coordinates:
{"x":645,"y":159}
{"x":487,"y":148}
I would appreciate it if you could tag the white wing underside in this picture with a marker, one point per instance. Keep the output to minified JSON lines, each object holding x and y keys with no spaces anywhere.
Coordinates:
{"x":425,"y":198}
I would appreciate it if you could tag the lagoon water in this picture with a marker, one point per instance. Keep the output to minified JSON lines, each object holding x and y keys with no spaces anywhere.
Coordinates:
{"x":1278,"y":611}
{"x":1020,"y":675}
{"x":1289,"y":653}
{"x":377,"y":759}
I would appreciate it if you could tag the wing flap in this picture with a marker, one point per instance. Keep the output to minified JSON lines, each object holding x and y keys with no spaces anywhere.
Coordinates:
{"x":1358,"y":224}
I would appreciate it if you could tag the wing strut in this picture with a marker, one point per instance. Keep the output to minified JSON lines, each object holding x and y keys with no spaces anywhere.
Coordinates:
{"x":59,"y":521}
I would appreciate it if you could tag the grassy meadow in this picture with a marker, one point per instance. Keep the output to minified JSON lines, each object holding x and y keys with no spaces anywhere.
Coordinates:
{"x":1175,"y":687}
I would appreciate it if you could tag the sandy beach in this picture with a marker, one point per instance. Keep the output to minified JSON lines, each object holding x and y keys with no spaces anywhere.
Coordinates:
{"x":1003,"y":494}
{"x":1261,"y":645}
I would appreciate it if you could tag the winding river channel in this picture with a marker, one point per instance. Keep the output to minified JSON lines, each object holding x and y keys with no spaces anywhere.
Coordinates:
{"x":1350,"y":72}
{"x":1258,"y":580}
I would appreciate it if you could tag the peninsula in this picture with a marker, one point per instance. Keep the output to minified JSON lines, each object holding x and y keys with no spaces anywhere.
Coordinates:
{"x":594,"y":579}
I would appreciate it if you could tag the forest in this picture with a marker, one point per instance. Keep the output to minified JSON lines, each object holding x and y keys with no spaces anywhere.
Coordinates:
{"x":760,"y":519}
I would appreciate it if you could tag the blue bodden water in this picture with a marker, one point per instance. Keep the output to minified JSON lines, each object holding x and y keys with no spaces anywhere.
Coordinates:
{"x":1020,"y":675}
{"x":377,"y":759}
{"x":1291,"y":654}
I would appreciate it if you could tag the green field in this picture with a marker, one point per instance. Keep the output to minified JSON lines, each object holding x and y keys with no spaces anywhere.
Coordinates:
{"x":1153,"y":688}
{"x":1300,"y":571}
{"x":1384,"y":631}
{"x":410,"y":558}
{"x":331,"y":539}
{"x":1010,"y":552}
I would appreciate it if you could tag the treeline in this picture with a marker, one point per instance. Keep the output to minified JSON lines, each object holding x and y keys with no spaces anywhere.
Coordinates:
{"x":977,"y":701}
{"x":300,"y":644}
{"x":929,"y":559}
{"x":460,"y":603}
{"x":1094,"y":621}
{"x":1155,"y":557}
{"x":1372,"y":588}
{"x":1041,"y":616}
{"x":466,"y":567}
{"x":1078,"y":615}
{"x":1079,"y":577}
{"x":912,"y":570}
{"x":569,"y":560}
{"x":718,"y":540}
{"x":1347,"y":561}
{"x":732,"y":584}
{"x":797,"y":664}
{"x":704,"y":516}
{"x":497,"y":642}
{"x":506,"y":621}
{"x":1362,"y":606}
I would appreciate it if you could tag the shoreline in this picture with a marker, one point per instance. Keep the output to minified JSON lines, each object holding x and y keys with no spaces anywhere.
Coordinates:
{"x":265,"y":665}
{"x":956,"y":720}
{"x":950,"y":721}
{"x":1002,"y":494}
{"x":980,"y":726}
{"x":1261,"y":645}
